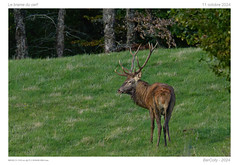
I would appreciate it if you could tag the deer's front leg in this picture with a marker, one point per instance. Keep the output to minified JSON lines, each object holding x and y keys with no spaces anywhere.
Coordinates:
{"x":151,"y":113}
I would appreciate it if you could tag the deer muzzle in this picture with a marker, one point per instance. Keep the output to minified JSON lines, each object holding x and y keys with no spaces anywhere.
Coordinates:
{"x":119,"y":91}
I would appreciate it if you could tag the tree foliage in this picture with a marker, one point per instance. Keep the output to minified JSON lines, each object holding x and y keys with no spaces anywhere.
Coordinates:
{"x":154,"y":27}
{"x":209,"y":29}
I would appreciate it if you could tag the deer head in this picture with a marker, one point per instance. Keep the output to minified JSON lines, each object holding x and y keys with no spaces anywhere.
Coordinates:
{"x":133,"y":77}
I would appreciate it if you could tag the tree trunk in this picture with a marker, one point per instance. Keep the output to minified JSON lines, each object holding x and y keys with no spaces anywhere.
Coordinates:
{"x":130,"y":27}
{"x":60,"y":33}
{"x":109,"y":35}
{"x":20,"y":35}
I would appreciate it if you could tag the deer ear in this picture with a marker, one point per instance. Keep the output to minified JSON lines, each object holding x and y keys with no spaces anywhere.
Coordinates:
{"x":138,"y":76}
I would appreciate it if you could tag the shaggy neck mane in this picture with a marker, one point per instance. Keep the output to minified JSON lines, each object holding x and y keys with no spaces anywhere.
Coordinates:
{"x":140,"y":92}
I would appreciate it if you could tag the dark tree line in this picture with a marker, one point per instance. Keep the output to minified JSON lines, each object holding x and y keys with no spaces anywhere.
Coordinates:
{"x":21,"y":39}
{"x":44,"y":28}
{"x":109,"y":34}
{"x":20,"y":35}
{"x":130,"y":26}
{"x":57,"y":33}
{"x":60,"y":33}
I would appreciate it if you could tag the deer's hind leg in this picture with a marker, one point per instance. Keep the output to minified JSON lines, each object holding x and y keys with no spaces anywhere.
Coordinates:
{"x":167,"y":118}
{"x":158,"y":120}
{"x":169,"y":112}
{"x":152,"y":117}
{"x":165,"y":126}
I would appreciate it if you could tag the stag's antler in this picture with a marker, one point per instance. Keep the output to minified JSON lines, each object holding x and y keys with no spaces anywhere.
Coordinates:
{"x":151,"y":49}
{"x":127,"y":72}
{"x":121,"y":74}
{"x":133,"y":54}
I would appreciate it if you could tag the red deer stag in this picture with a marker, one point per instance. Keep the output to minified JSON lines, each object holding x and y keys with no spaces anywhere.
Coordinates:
{"x":158,"y":98}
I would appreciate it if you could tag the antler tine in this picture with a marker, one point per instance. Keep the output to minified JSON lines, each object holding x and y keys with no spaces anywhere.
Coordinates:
{"x":151,"y":49}
{"x":123,"y":68}
{"x":155,"y":45}
{"x":133,"y":54}
{"x":132,"y":64}
{"x":121,"y":74}
{"x":150,"y":46}
{"x":126,"y":71}
{"x":137,"y":63}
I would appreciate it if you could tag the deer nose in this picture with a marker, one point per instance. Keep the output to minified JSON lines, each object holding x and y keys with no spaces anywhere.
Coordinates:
{"x":119,"y":91}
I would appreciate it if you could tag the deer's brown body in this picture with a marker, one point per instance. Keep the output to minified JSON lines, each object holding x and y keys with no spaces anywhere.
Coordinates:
{"x":158,"y":98}
{"x":147,"y":96}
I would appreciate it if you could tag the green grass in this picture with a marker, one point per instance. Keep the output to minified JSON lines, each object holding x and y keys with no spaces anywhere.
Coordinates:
{"x":70,"y":107}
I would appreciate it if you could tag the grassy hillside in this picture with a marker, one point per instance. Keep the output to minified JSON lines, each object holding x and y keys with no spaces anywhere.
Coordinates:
{"x":70,"y":107}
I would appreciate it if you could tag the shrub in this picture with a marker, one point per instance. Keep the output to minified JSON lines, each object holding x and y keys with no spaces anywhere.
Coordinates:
{"x":150,"y":26}
{"x":209,"y":29}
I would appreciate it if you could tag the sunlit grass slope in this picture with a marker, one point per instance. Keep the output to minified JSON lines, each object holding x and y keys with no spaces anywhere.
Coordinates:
{"x":70,"y":107}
